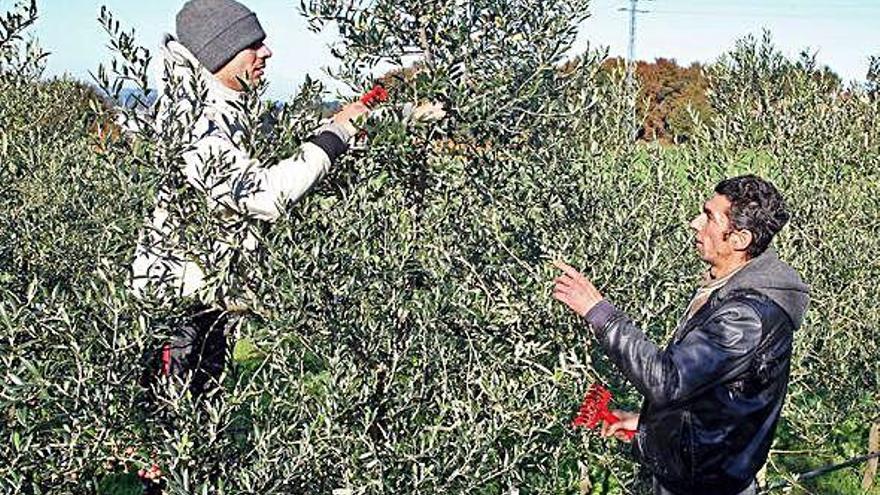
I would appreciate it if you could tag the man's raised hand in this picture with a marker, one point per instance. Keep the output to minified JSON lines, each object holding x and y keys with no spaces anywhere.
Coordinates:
{"x":575,"y":290}
{"x":347,"y":117}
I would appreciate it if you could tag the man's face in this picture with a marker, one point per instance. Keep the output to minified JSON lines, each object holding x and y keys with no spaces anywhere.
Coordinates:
{"x":249,"y":64}
{"x":712,"y":227}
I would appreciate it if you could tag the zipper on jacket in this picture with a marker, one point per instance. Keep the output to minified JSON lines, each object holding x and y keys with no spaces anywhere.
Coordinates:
{"x":688,"y":423}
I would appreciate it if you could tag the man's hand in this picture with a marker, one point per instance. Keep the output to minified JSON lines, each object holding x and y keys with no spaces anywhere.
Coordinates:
{"x":628,"y":421}
{"x":345,"y":117}
{"x":575,"y":290}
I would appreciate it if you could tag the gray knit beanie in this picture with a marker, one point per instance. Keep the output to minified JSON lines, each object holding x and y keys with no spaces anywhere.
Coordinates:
{"x":216,"y":30}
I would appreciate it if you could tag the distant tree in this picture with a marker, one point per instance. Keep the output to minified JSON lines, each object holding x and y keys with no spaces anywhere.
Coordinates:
{"x":873,"y":76}
{"x":670,"y":98}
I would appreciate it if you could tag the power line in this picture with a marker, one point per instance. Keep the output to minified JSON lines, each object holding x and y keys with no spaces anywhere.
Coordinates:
{"x":794,"y":6}
{"x":766,"y":14}
{"x":843,"y":11}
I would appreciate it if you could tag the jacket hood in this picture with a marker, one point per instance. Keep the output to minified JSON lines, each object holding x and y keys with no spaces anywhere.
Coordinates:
{"x":184,"y":83}
{"x":770,"y":276}
{"x":182,"y":64}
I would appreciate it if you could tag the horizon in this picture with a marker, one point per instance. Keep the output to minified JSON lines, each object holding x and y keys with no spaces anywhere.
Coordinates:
{"x":839,"y":33}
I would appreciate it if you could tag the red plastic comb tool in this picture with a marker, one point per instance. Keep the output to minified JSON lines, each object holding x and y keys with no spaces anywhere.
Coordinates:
{"x":166,"y":359}
{"x":377,"y":94}
{"x":595,"y":409}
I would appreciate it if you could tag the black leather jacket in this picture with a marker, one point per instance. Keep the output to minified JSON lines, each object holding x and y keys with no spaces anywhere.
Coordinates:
{"x":713,"y":396}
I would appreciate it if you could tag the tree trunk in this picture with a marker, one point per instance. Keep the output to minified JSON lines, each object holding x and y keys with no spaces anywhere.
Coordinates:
{"x":873,"y":446}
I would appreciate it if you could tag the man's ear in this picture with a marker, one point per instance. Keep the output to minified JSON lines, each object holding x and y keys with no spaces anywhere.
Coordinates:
{"x":741,"y":239}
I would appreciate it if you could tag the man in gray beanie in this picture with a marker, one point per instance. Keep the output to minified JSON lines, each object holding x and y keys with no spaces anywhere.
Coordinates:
{"x":226,"y":38}
{"x":215,"y":31}
{"x":219,"y":46}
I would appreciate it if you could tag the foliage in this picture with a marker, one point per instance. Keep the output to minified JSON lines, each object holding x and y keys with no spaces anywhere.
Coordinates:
{"x":20,"y":59}
{"x":671,"y":99}
{"x":873,"y":77}
{"x":403,"y":339}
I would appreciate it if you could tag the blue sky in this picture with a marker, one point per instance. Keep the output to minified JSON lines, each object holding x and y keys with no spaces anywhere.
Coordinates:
{"x":843,"y":32}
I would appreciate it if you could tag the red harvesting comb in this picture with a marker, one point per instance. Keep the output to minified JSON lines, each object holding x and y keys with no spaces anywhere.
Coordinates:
{"x":166,"y":359}
{"x":377,"y":94}
{"x":595,"y":409}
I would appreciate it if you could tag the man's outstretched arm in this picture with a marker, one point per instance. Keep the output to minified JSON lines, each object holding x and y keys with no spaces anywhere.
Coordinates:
{"x":232,"y":178}
{"x":719,"y":348}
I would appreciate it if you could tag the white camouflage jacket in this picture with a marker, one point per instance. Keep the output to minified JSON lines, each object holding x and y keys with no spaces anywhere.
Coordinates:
{"x":245,"y":188}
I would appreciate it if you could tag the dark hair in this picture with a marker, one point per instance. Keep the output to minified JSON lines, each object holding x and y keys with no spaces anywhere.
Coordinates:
{"x":756,"y":206}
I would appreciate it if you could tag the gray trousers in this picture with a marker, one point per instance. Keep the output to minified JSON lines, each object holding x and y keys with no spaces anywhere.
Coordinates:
{"x":659,"y":490}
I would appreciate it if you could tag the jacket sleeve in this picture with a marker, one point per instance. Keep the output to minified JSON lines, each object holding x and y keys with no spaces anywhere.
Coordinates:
{"x":233,"y":179}
{"x":707,"y":355}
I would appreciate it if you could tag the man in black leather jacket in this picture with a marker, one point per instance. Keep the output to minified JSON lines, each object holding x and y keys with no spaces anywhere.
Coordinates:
{"x":713,"y":396}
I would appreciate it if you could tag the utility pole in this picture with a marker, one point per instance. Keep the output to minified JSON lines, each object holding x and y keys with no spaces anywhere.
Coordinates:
{"x":631,"y":60}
